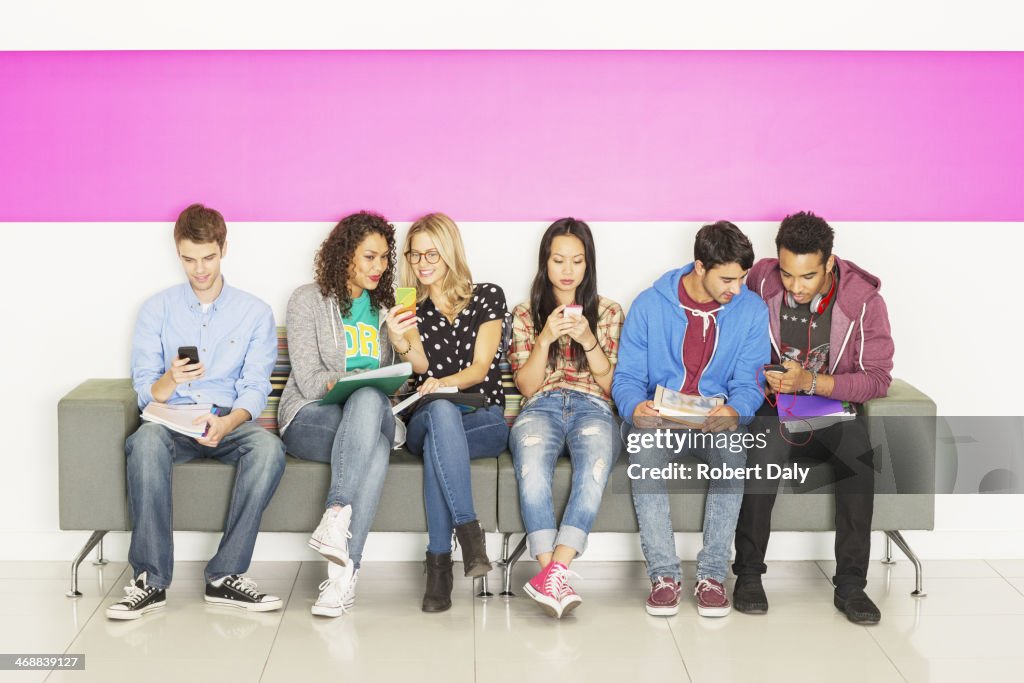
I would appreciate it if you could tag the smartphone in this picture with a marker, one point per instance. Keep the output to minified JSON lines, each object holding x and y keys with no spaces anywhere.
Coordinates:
{"x":406,"y":298}
{"x":775,"y":368}
{"x":572,"y":311}
{"x":190,"y":352}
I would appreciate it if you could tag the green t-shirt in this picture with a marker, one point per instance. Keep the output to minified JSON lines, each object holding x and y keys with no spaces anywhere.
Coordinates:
{"x":362,"y":344}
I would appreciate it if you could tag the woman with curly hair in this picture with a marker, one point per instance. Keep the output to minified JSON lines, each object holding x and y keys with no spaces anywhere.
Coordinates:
{"x":457,"y":344}
{"x":337,"y":326}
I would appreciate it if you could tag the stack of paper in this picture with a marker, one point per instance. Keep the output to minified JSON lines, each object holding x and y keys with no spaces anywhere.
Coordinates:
{"x":179,"y":418}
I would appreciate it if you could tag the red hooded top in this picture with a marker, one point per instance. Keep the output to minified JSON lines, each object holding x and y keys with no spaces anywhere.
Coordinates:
{"x":861,"y":346}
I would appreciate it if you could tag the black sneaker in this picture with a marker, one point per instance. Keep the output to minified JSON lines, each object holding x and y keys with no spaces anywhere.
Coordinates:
{"x":748,"y":595}
{"x":140,"y":598}
{"x":239,"y":591}
{"x":858,"y":607}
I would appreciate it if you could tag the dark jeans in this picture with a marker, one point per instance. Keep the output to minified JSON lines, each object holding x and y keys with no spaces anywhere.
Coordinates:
{"x":847,"y":448}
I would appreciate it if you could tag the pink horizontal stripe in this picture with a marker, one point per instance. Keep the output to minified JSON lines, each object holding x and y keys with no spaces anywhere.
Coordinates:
{"x":278,"y":136}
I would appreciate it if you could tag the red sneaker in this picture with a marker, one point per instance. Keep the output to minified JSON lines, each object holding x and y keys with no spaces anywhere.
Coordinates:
{"x":569,"y":598}
{"x":711,"y":598}
{"x":664,"y":598}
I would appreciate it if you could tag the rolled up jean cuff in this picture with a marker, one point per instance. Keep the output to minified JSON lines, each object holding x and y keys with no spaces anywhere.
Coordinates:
{"x":541,"y":541}
{"x":572,"y":537}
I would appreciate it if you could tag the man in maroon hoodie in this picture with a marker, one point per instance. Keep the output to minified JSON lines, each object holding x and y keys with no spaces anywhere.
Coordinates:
{"x":829,"y":327}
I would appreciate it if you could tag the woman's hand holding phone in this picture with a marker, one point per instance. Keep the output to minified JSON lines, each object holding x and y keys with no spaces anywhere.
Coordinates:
{"x":555,"y":326}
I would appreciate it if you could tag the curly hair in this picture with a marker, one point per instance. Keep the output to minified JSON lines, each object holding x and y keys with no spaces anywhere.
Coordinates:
{"x":805,"y":233}
{"x":333,"y":260}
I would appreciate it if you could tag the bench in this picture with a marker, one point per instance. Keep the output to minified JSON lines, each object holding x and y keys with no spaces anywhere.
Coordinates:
{"x":96,"y":417}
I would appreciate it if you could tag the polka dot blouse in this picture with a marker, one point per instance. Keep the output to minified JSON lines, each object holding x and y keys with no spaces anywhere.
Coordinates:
{"x":450,"y":346}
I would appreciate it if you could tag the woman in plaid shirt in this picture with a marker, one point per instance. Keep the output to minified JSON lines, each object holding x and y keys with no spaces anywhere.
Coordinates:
{"x":564,"y":345}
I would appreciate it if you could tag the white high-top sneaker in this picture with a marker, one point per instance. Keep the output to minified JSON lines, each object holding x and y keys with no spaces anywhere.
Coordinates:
{"x":330,"y":538}
{"x":337,"y":592}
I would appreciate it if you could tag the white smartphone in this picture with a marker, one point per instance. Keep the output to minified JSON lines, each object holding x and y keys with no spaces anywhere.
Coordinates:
{"x":573,"y":311}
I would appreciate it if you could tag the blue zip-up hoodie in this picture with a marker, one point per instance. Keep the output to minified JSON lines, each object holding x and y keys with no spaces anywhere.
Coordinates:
{"x":651,"y":349}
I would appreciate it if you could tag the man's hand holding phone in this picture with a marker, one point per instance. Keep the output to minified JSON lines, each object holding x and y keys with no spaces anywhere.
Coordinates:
{"x":184,"y":371}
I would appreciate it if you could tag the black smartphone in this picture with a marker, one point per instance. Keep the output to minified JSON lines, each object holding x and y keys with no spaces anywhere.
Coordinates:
{"x":190,"y":352}
{"x":777,"y":367}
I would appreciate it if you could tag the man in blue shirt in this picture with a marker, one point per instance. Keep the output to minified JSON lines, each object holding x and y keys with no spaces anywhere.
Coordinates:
{"x":235,"y":335}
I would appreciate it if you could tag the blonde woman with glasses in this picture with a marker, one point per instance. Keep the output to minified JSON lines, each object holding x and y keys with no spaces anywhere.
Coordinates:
{"x":456,"y":343}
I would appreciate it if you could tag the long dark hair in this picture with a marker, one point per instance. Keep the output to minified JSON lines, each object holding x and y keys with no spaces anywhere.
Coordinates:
{"x":334,"y":257}
{"x":542,"y":296}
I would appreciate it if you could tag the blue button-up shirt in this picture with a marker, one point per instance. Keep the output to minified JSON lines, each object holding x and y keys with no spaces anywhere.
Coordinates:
{"x":237,"y":344}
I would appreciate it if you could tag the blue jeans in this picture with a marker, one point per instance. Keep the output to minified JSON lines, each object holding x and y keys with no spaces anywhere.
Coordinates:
{"x":447,"y":439}
{"x":355,"y":438}
{"x":721,"y":510}
{"x":553,"y":424}
{"x":152,"y":452}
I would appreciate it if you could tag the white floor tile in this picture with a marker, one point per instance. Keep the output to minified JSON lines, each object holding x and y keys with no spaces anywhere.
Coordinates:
{"x":587,"y":670}
{"x":1009,"y":568}
{"x":959,"y":670}
{"x":947,"y":597}
{"x":163,"y":670}
{"x":770,"y":637}
{"x":935,"y":637}
{"x":794,"y":668}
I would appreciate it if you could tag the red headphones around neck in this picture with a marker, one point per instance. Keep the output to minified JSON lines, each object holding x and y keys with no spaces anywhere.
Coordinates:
{"x":820,"y":302}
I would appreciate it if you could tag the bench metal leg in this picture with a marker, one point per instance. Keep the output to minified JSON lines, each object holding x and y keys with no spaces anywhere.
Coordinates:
{"x":509,"y":562}
{"x":901,"y":542}
{"x":888,"y":551}
{"x":100,"y":560}
{"x":97,"y":537}
{"x":484,"y":592}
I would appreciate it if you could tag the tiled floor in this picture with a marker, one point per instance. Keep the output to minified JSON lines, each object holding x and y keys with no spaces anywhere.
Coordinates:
{"x":968,"y":628}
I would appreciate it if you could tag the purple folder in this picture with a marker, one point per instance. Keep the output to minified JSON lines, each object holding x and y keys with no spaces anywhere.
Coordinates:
{"x":797,"y":406}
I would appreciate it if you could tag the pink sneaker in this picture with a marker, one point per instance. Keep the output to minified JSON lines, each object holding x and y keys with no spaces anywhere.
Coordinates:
{"x":569,"y":598}
{"x":664,"y":598}
{"x":711,"y":598}
{"x":547,"y":586}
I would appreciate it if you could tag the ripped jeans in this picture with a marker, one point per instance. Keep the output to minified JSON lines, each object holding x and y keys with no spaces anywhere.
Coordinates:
{"x":556,"y":423}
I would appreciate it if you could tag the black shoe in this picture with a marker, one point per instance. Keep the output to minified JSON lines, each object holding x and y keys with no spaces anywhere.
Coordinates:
{"x":438,"y":595}
{"x":474,"y":548}
{"x":139,"y":599}
{"x":858,"y":608}
{"x":748,"y":595}
{"x":239,"y":591}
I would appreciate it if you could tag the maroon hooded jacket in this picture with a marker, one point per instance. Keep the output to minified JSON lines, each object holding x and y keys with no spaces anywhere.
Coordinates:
{"x":861,"y":347}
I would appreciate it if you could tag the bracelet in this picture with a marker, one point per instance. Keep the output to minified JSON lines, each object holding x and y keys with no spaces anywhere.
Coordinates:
{"x":408,"y":348}
{"x":592,"y":347}
{"x":814,"y":383}
{"x":604,"y":372}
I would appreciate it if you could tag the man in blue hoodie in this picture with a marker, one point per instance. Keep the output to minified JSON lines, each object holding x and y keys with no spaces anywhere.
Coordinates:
{"x":700,"y":331}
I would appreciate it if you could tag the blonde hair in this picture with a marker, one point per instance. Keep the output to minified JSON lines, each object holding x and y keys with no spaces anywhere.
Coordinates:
{"x":457,"y":284}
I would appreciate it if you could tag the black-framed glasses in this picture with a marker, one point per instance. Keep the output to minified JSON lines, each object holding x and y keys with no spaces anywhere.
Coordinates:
{"x":414,"y":257}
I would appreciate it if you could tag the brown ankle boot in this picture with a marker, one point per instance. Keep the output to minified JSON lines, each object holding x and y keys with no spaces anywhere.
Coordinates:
{"x":474,"y":548}
{"x":438,"y":595}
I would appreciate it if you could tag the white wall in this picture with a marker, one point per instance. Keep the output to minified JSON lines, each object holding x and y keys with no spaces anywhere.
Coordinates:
{"x":527,"y":24}
{"x":73,"y":290}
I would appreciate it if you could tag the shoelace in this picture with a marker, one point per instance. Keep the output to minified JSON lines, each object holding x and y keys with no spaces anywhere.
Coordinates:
{"x":666,"y":582}
{"x":558,"y":579}
{"x":343,"y":596}
{"x":134,"y":595}
{"x":245,"y":585}
{"x":704,"y":584}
